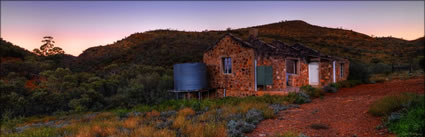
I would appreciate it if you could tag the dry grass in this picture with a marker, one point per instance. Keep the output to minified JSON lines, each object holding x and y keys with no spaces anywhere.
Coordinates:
{"x":180,"y":122}
{"x":131,"y":122}
{"x":186,"y":112}
{"x":153,"y":113}
{"x":211,"y":123}
{"x":144,"y":131}
{"x":388,"y":104}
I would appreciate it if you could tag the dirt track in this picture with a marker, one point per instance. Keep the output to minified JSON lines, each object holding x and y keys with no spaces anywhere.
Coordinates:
{"x":344,"y":112}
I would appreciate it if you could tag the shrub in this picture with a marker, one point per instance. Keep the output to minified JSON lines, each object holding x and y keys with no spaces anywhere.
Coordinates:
{"x":346,"y":84}
{"x":36,"y":132}
{"x":380,"y":68}
{"x":359,"y":71}
{"x":391,"y":103}
{"x":311,"y":91}
{"x":413,"y":122}
{"x":278,"y":107}
{"x":236,"y":128}
{"x":186,"y":111}
{"x":121,"y":112}
{"x":254,"y":116}
{"x":298,"y":98}
{"x":330,"y":89}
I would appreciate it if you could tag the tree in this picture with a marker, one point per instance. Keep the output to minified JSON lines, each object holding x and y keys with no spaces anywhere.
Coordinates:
{"x":48,"y":48}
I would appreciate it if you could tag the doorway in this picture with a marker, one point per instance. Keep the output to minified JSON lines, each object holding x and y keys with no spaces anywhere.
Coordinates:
{"x":313,"y":73}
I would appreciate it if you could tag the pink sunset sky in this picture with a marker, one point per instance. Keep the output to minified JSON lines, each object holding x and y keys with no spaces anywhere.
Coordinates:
{"x":78,"y":25}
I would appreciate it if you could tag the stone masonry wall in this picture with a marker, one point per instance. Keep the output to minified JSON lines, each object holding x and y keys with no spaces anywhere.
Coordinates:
{"x":338,"y":70}
{"x":279,"y":71}
{"x":301,"y":78}
{"x":242,"y":76}
{"x":326,"y":75}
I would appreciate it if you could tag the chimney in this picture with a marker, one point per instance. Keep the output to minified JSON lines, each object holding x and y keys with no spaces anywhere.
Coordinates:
{"x":253,"y":32}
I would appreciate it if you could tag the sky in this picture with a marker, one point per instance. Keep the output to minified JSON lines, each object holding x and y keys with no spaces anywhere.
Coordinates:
{"x":78,"y":25}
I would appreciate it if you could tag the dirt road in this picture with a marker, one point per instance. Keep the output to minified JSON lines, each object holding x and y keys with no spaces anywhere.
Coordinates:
{"x":344,"y":112}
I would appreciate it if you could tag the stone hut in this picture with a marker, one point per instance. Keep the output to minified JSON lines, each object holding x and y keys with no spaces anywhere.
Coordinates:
{"x":247,"y":68}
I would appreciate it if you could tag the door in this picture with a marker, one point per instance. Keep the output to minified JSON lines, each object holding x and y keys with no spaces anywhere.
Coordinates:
{"x":313,"y":73}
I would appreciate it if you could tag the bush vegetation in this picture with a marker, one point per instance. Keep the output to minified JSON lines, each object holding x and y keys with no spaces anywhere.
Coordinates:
{"x":403,"y":113}
{"x":230,"y":116}
{"x":391,"y":103}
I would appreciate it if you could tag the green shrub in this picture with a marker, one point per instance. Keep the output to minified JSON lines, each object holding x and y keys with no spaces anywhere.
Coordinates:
{"x":297,"y":98}
{"x":359,"y":71}
{"x":413,"y":122}
{"x":121,"y":112}
{"x":346,"y":84}
{"x":311,"y":91}
{"x":391,"y":103}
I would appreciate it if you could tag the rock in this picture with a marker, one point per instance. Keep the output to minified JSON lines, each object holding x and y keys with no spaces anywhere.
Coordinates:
{"x":262,"y":135}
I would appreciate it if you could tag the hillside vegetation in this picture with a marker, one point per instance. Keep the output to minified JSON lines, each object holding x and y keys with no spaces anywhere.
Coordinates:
{"x":138,"y":69}
{"x":167,"y":47}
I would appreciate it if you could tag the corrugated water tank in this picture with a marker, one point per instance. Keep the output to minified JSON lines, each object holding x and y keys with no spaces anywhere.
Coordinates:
{"x":190,"y":76}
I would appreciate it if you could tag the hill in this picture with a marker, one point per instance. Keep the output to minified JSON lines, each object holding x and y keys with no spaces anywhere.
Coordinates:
{"x":167,"y":47}
{"x":19,"y":60}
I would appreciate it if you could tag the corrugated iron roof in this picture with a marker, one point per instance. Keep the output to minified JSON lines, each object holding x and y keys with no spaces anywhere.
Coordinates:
{"x":278,"y":48}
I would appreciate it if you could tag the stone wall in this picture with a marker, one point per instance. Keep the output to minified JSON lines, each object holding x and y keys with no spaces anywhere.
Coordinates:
{"x":241,"y":82}
{"x":326,"y":72}
{"x":279,"y":72}
{"x":301,"y":78}
{"x":243,"y":73}
{"x":345,"y":69}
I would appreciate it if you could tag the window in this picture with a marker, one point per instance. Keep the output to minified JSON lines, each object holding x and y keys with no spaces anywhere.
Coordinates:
{"x":291,"y":66}
{"x":341,"y":70}
{"x":227,"y":65}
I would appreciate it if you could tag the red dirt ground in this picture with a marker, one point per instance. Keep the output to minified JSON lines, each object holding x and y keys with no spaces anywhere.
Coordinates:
{"x":344,"y":112}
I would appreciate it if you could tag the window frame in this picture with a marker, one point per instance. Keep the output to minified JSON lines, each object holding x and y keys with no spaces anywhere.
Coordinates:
{"x":295,"y":65}
{"x":341,"y":70}
{"x":226,"y":65}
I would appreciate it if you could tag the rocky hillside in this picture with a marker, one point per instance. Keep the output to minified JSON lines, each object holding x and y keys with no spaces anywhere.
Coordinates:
{"x":167,"y":47}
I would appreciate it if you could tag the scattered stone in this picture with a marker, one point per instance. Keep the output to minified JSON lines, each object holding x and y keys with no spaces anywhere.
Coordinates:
{"x":262,"y":135}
